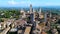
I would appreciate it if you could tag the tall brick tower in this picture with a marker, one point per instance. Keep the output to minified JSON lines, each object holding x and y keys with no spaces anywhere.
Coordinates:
{"x":31,"y":8}
{"x":31,"y":14}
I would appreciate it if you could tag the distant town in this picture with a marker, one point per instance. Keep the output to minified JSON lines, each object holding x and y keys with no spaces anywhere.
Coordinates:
{"x":30,"y":20}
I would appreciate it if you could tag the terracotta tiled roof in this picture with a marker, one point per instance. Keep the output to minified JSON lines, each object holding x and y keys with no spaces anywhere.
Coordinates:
{"x":20,"y":22}
{"x":44,"y":32}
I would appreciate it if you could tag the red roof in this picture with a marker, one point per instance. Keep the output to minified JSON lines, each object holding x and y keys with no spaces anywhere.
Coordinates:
{"x":20,"y":22}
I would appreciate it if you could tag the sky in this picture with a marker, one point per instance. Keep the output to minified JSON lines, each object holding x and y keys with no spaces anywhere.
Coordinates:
{"x":26,"y":3}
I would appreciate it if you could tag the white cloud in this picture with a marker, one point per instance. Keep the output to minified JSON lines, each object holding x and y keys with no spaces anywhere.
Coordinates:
{"x":12,"y":2}
{"x":20,"y":3}
{"x":51,"y":4}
